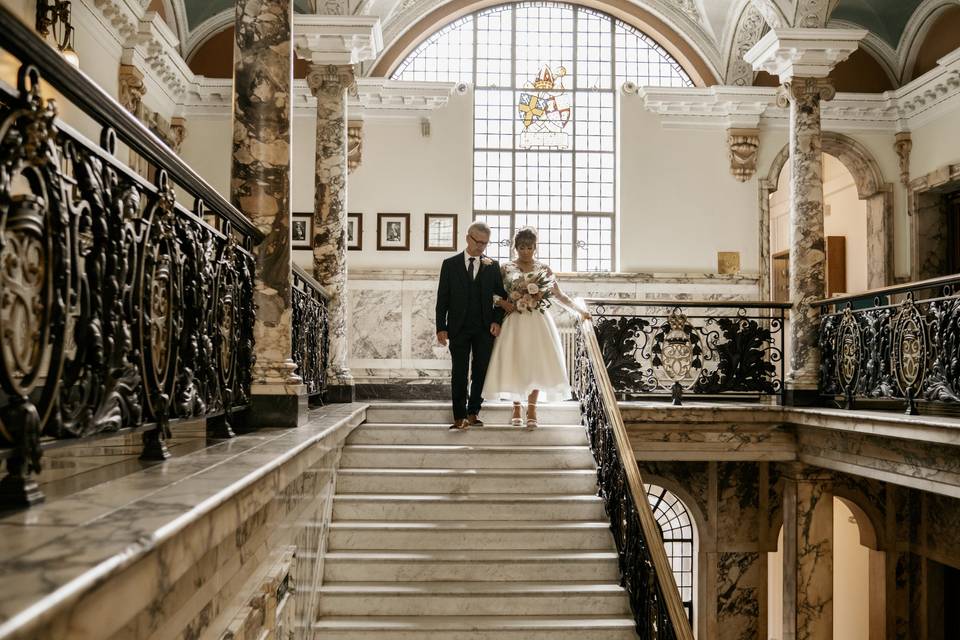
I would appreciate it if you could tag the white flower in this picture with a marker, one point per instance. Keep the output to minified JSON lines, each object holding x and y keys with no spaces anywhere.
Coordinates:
{"x":533,"y":289}
{"x":486,"y":262}
{"x":521,"y":305}
{"x":514,"y":295}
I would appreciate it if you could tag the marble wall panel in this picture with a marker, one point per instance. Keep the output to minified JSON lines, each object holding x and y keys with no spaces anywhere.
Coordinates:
{"x":423,"y":328}
{"x":692,"y":477}
{"x":738,"y":503}
{"x":739,"y":591}
{"x":942,"y":527}
{"x":376,"y":328}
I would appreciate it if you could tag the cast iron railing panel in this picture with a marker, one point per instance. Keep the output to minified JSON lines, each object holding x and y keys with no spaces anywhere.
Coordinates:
{"x":311,"y":340}
{"x":691,"y":347}
{"x":119,"y":308}
{"x":644,"y":568}
{"x":898,"y":343}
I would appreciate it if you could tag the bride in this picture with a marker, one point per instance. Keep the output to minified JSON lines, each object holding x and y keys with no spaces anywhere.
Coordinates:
{"x":527,"y":360}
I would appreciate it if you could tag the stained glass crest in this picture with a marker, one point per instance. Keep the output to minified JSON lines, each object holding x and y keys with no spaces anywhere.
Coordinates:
{"x":545,"y":111}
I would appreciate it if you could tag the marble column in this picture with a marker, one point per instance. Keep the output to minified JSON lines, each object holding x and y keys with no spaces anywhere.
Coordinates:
{"x":260,"y":188}
{"x":807,"y":245}
{"x":330,"y":84}
{"x":807,"y":554}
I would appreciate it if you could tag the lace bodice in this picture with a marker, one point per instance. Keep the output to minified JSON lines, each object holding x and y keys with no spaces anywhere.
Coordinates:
{"x":511,"y":273}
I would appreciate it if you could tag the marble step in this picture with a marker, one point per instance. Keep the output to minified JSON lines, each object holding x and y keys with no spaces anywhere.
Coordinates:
{"x":470,"y":534}
{"x":402,"y":433}
{"x":472,"y":598}
{"x":455,"y":564}
{"x":492,"y":413}
{"x":566,"y":627}
{"x":461,"y":456}
{"x":491,"y":506}
{"x":467,"y":481}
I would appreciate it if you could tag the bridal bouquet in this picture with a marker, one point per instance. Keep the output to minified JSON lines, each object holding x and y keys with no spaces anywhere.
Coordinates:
{"x":532,"y":291}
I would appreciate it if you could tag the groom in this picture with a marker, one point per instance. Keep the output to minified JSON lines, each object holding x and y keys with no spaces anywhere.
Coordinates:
{"x":468,"y":321}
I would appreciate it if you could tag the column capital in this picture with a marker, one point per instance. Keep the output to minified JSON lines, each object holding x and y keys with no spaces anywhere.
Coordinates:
{"x":331,"y":79}
{"x":803,"y":90}
{"x":810,"y":53}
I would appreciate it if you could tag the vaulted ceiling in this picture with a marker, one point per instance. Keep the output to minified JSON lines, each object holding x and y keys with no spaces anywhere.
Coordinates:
{"x":718,"y":30}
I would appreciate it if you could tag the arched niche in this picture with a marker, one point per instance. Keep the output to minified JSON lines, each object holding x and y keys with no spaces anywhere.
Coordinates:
{"x":871,"y":187}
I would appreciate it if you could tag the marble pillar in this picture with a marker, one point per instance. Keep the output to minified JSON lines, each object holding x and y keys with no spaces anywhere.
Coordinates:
{"x":807,"y":554}
{"x":329,"y":84}
{"x":807,"y":246}
{"x":260,"y":188}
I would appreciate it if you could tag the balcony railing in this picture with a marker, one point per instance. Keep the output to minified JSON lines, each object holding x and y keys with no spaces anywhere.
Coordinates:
{"x":120,"y":308}
{"x":644,"y":567}
{"x":311,"y":340}
{"x":676,"y":348}
{"x":899,"y":343}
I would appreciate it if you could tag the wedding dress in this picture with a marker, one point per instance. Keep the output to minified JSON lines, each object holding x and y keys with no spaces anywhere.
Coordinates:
{"x":528,"y":354}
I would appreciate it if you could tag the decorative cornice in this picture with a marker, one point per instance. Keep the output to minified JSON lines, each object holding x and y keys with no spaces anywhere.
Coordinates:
{"x":726,"y":107}
{"x":913,"y":105}
{"x":806,"y":53}
{"x":748,"y":32}
{"x":375,"y":98}
{"x":337,"y":40}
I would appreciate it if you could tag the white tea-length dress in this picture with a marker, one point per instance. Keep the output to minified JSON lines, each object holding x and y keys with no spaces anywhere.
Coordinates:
{"x":528,"y":354}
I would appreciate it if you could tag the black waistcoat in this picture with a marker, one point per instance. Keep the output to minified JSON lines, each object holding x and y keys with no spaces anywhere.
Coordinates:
{"x":474,"y":317}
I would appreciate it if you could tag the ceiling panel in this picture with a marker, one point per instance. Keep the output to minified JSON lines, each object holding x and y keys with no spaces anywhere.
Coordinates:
{"x":886,"y":18}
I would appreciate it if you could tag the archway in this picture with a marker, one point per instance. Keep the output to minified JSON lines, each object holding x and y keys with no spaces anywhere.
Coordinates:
{"x":871,"y":188}
{"x":859,"y":576}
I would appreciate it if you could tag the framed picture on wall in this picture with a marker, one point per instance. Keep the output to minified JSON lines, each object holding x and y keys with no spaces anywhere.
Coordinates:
{"x":354,"y":231}
{"x":393,"y":231}
{"x":301,"y":230}
{"x":440,"y":232}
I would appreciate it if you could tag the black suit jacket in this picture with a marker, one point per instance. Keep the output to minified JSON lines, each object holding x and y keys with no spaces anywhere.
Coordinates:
{"x":454,"y":289}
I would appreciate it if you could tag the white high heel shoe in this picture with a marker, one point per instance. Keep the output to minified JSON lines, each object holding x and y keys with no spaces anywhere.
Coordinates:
{"x":517,"y":422}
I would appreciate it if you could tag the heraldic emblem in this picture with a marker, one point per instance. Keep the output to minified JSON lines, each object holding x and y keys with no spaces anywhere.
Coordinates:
{"x":545,"y":111}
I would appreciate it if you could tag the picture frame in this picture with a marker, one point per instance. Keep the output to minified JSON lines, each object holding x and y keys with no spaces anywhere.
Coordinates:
{"x":393,"y":232}
{"x":301,"y":231}
{"x":440,"y":231}
{"x":354,"y":232}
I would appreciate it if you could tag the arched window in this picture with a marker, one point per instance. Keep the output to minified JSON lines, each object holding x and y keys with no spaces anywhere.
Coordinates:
{"x":676,"y":525}
{"x":545,"y":77}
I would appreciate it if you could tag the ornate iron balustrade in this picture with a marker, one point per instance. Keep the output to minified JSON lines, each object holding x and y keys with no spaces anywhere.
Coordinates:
{"x":645,"y":571}
{"x":311,"y":338}
{"x":897,"y":343}
{"x":119,"y":308}
{"x":699,"y":347}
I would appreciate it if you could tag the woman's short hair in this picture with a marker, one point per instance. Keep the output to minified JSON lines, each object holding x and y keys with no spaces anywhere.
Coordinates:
{"x":525,"y":236}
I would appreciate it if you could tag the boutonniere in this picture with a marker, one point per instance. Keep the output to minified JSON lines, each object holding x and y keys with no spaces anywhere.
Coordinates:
{"x":486,"y":261}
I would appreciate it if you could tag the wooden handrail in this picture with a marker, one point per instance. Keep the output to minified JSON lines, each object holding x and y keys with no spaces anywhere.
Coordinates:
{"x":930,"y":283}
{"x":651,"y":530}
{"x":310,"y":281}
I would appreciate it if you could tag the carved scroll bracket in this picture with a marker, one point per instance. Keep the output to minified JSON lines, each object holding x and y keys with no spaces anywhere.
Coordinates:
{"x":903,"y":144}
{"x":744,"y":145}
{"x":354,"y":144}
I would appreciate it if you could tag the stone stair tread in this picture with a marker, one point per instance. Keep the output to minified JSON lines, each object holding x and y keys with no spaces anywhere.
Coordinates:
{"x":498,"y":472}
{"x":474,"y":448}
{"x":443,"y":426}
{"x":495,"y":588}
{"x":463,"y":623}
{"x":466,"y":497}
{"x":471,"y":525}
{"x":472,"y":555}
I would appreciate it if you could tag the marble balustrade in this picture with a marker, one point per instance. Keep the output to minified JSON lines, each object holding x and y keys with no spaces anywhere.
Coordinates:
{"x":194,"y":547}
{"x":392,"y":337}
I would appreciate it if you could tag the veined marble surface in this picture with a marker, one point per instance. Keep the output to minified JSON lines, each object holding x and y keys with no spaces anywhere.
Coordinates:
{"x":146,"y":530}
{"x":392,"y":313}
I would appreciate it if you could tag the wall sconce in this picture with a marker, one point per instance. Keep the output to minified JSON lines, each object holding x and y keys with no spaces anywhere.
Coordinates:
{"x":54,"y":17}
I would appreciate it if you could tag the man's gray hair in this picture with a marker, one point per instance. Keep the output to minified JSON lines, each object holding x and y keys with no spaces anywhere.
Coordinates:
{"x":479,"y":226}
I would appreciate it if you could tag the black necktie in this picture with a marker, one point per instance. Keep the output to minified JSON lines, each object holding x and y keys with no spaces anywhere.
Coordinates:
{"x":470,"y":270}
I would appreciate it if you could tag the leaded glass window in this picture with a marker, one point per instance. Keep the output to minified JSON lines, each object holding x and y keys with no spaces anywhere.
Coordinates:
{"x":676,"y":526}
{"x":545,"y":76}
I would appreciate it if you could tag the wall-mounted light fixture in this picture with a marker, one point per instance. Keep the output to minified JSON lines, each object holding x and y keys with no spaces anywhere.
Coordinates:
{"x":53,"y":16}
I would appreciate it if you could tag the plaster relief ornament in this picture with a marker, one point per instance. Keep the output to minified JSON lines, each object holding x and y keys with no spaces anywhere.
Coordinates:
{"x":545,"y":112}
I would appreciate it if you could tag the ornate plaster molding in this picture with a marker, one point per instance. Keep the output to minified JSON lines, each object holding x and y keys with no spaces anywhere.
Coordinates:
{"x":806,"y":53}
{"x":902,"y":145}
{"x":744,"y":145}
{"x":354,"y":144}
{"x":770,"y":12}
{"x":749,"y":30}
{"x":812,"y":14}
{"x":726,"y":107}
{"x":131,"y":89}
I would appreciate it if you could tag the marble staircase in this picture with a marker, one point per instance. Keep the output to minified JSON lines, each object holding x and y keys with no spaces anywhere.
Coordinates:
{"x":496,"y":532}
